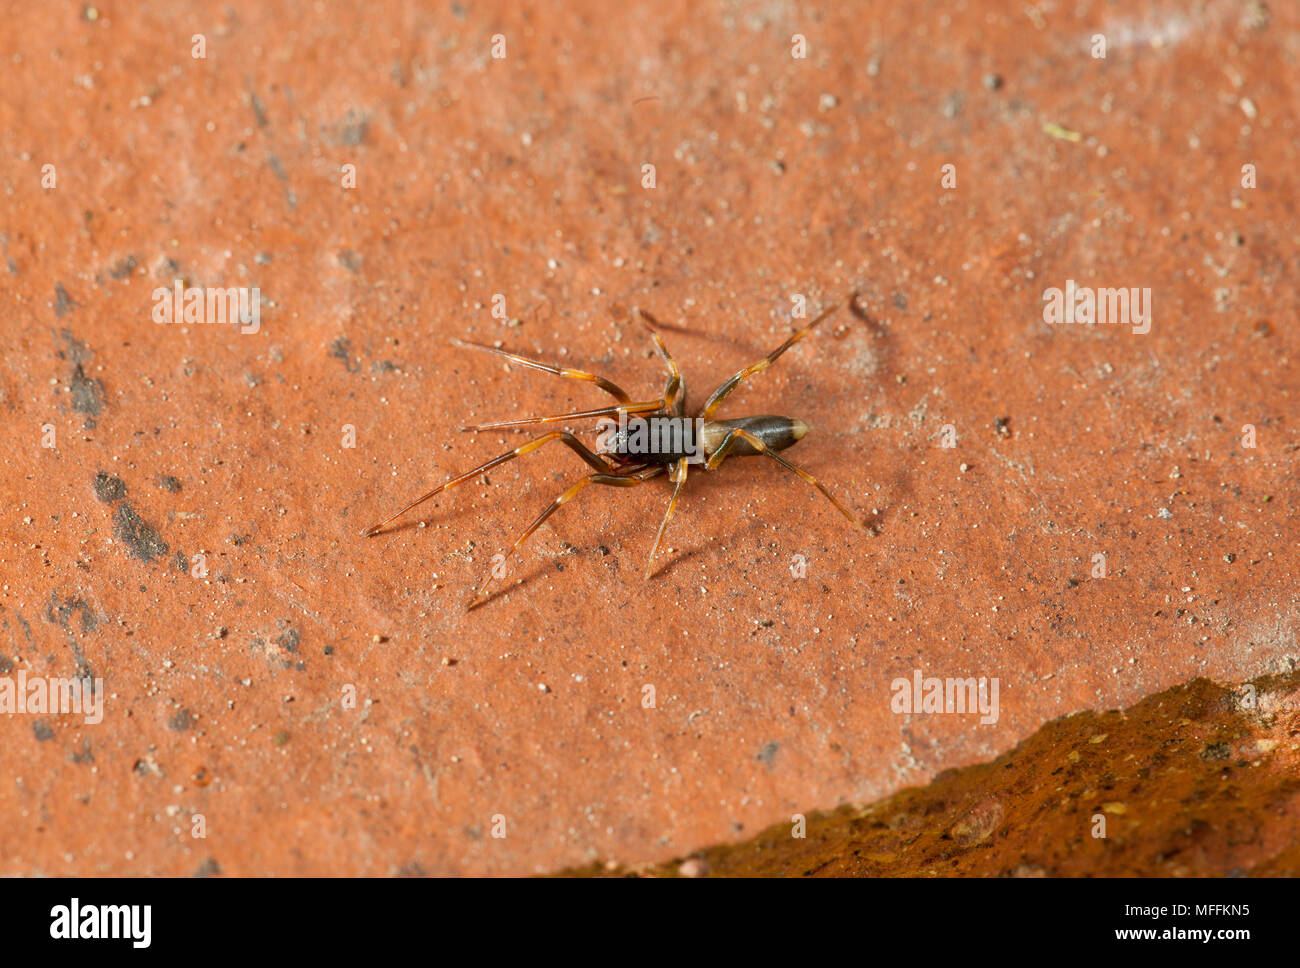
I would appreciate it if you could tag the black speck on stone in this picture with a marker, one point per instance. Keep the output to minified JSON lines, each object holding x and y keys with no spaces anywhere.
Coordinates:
{"x":288,"y":639}
{"x":123,"y":267}
{"x":259,"y":109}
{"x":768,"y":753}
{"x":6,"y":666}
{"x":1216,"y":751}
{"x":341,"y":349}
{"x":43,"y":730}
{"x":169,"y":483}
{"x":354,"y":131}
{"x":900,"y":300}
{"x":350,"y":259}
{"x":182,"y":563}
{"x":182,"y":721}
{"x":109,"y":488}
{"x":60,"y":613}
{"x":209,"y":868}
{"x":87,"y":393}
{"x":78,"y":351}
{"x":993,"y":81}
{"x":62,"y":303}
{"x":140,"y":537}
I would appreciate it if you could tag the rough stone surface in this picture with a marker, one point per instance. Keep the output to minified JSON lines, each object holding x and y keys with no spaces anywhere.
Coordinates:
{"x":1200,"y":780}
{"x":220,"y":587}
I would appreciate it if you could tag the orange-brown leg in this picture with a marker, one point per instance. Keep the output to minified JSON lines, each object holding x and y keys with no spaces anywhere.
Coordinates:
{"x":648,"y":406}
{"x":726,"y":389}
{"x":613,"y":389}
{"x":612,"y":480}
{"x":571,"y":441}
{"x":675,"y":391}
{"x":678,"y":478}
{"x":627,"y":405}
{"x":719,"y":455}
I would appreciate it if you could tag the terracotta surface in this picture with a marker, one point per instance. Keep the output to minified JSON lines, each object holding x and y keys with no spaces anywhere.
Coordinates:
{"x":226,"y":695}
{"x":1200,"y":780}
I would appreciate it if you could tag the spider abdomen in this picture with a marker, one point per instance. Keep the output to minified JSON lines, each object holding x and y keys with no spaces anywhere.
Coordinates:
{"x":666,"y":439}
{"x":776,"y":432}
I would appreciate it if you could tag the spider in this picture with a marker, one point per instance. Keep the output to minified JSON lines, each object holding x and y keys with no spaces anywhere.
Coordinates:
{"x":644,"y":439}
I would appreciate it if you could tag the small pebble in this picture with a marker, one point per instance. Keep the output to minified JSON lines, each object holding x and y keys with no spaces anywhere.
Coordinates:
{"x":693,"y":867}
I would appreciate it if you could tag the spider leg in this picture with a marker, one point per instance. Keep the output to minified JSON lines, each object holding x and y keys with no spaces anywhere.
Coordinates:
{"x":675,"y":391}
{"x":648,"y":406}
{"x":612,"y":480}
{"x":679,"y":478}
{"x":728,"y":442}
{"x":568,"y":439}
{"x":609,"y":387}
{"x":724,"y":391}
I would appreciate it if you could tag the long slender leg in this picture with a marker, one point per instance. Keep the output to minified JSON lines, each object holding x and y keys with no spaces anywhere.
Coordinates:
{"x":719,"y":455}
{"x":647,"y":406}
{"x":675,"y":391}
{"x":612,"y":480}
{"x":724,"y":391}
{"x":674,"y":397}
{"x":571,"y":441}
{"x":611,"y":388}
{"x":678,"y":478}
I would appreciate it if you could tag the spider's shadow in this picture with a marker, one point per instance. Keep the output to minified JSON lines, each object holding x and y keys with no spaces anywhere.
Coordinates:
{"x":445,"y":514}
{"x":664,"y":565}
